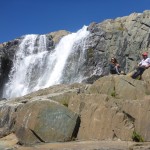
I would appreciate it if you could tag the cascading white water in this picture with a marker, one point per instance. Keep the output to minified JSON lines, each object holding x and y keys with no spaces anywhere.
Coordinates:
{"x":34,"y":67}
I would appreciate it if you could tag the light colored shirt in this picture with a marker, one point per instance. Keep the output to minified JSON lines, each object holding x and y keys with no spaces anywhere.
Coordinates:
{"x":145,"y":62}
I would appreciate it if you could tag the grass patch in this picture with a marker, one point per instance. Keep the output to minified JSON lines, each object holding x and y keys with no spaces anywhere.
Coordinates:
{"x":65,"y":104}
{"x":121,"y":29}
{"x":113,"y":94}
{"x":137,"y":137}
{"x":90,"y":52}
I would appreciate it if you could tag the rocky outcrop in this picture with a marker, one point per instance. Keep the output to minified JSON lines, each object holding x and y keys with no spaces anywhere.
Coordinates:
{"x":120,"y":87}
{"x":124,"y":38}
{"x":57,"y":122}
{"x":7,"y":51}
{"x":112,"y":108}
{"x":46,"y":111}
{"x":56,"y":36}
{"x":101,"y":118}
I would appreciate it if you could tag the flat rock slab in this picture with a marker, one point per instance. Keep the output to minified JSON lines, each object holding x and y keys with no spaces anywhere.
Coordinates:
{"x":83,"y":145}
{"x":10,"y":143}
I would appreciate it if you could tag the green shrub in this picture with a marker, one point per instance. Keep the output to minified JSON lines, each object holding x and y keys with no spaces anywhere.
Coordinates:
{"x":121,"y":29}
{"x":90,"y":52}
{"x":65,"y":104}
{"x":137,"y":137}
{"x":113,"y":94}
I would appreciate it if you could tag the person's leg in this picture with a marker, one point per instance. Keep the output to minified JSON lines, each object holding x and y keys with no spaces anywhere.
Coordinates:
{"x":139,"y":72}
{"x":134,"y":76}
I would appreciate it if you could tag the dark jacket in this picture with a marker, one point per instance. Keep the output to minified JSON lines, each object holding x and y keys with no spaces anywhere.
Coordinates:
{"x":113,"y":69}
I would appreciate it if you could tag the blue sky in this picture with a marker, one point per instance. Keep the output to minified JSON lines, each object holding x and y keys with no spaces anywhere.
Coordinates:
{"x":20,"y":17}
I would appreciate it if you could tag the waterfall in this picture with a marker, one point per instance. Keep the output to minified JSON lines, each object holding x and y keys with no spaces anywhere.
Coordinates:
{"x":34,"y":67}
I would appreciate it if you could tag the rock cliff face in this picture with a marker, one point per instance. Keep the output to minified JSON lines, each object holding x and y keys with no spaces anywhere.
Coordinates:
{"x":125,"y":38}
{"x":112,"y":108}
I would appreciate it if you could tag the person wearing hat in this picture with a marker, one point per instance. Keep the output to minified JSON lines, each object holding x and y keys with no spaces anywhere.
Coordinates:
{"x":144,"y":64}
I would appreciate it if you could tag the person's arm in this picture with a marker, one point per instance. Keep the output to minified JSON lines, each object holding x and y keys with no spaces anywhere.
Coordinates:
{"x":117,"y":70}
{"x":148,"y":61}
{"x":140,"y":63}
{"x":117,"y":65}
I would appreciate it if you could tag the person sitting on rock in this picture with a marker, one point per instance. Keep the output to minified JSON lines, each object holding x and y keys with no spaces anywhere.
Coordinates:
{"x":114,"y":66}
{"x":142,"y":66}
